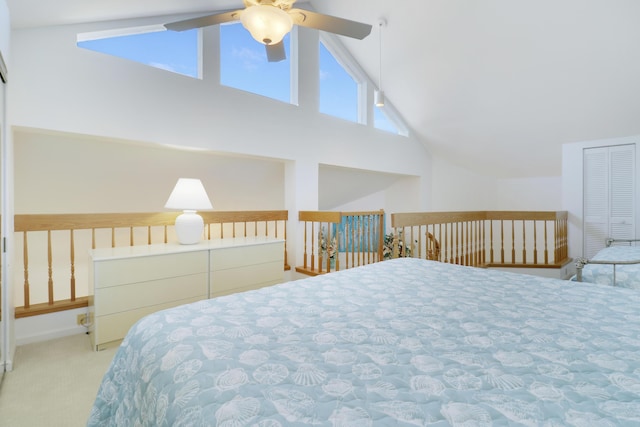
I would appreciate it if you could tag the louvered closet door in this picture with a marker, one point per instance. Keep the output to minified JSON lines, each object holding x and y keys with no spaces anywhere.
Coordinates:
{"x":596,"y":196}
{"x":622,"y":192}
{"x":609,"y":195}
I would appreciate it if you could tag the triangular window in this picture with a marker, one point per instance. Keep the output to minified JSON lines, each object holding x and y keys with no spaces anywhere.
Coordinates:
{"x":381,"y":121}
{"x":338,"y":89}
{"x":173,"y":51}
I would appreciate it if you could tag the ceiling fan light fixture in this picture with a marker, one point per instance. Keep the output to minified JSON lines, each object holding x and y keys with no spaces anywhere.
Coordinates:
{"x":267,"y":24}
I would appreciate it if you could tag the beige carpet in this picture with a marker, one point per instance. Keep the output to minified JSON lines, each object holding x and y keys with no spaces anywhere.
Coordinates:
{"x":53,"y":383}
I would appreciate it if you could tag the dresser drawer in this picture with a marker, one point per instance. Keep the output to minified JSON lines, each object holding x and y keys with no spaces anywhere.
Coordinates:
{"x":116,"y":299}
{"x":146,"y":268}
{"x":128,"y":283}
{"x":233,"y":257}
{"x":228,"y":281}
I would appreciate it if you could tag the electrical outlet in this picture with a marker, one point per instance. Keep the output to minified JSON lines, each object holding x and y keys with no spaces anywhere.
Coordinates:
{"x":85,"y":319}
{"x":82,"y":319}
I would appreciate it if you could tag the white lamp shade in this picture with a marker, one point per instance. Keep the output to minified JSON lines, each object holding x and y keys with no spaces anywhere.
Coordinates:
{"x":188,"y":194}
{"x":267,"y":24}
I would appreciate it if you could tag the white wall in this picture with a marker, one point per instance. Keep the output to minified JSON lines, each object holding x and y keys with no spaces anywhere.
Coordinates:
{"x":527,"y":194}
{"x":458,"y":189}
{"x":572,"y":186}
{"x":65,"y":173}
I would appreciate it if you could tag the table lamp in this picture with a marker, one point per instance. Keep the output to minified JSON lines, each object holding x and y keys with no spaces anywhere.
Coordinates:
{"x":190,"y":196}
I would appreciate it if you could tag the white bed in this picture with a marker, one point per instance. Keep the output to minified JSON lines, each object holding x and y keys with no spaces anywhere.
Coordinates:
{"x":399,"y":342}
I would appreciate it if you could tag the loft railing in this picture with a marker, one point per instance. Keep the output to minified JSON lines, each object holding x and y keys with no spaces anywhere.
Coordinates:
{"x":484,"y":238}
{"x":52,"y":248}
{"x":334,"y":241}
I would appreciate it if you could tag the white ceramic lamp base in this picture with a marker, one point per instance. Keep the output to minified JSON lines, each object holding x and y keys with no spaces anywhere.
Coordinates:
{"x":189,"y":228}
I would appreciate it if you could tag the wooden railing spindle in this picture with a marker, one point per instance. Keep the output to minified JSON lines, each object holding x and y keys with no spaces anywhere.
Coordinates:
{"x":49,"y":269}
{"x":501,"y":241}
{"x":72,"y":261}
{"x":524,"y":242}
{"x":25,"y":250}
{"x":535,"y":243}
{"x":513,"y":242}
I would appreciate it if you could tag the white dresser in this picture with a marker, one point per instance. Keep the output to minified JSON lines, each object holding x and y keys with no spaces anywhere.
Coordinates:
{"x":128,"y":283}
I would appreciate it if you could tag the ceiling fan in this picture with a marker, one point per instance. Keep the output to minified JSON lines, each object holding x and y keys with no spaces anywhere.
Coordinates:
{"x":269,"y":21}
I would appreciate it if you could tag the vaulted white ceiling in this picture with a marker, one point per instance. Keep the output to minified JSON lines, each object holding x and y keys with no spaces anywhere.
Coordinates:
{"x":494,"y":85}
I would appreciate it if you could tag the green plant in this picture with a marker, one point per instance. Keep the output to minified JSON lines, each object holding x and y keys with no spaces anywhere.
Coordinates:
{"x":387,"y":248}
{"x":329,"y":249}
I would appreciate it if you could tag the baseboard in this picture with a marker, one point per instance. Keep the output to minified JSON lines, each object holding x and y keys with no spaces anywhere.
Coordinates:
{"x":48,"y":326}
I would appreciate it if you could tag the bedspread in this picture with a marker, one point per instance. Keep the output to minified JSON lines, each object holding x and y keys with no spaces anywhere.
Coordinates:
{"x":399,"y":342}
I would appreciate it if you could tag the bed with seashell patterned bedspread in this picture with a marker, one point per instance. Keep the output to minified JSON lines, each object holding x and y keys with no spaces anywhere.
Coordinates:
{"x":399,"y":342}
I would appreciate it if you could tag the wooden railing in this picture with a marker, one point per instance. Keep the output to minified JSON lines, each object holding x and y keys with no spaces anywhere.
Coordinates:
{"x":335,"y":241}
{"x":484,"y":238}
{"x":52,"y":248}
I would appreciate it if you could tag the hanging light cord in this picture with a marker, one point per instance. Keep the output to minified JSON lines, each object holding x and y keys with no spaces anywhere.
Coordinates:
{"x":381,"y":24}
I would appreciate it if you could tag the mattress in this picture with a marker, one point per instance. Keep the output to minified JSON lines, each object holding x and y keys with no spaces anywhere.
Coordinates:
{"x":627,"y":276}
{"x":399,"y":342}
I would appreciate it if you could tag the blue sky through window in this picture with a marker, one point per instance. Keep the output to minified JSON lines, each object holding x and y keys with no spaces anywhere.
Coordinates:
{"x":338,"y":90}
{"x":382,"y":122}
{"x":169,"y":50}
{"x":244,"y":64}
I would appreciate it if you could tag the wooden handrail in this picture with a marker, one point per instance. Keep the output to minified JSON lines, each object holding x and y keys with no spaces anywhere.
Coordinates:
{"x":422,"y":218}
{"x":46,"y":222}
{"x":487,"y":238}
{"x":218,"y":224}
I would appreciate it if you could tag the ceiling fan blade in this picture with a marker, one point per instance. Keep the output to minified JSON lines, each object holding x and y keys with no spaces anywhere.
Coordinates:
{"x":331,"y":24}
{"x":204,"y":21}
{"x":275,"y":52}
